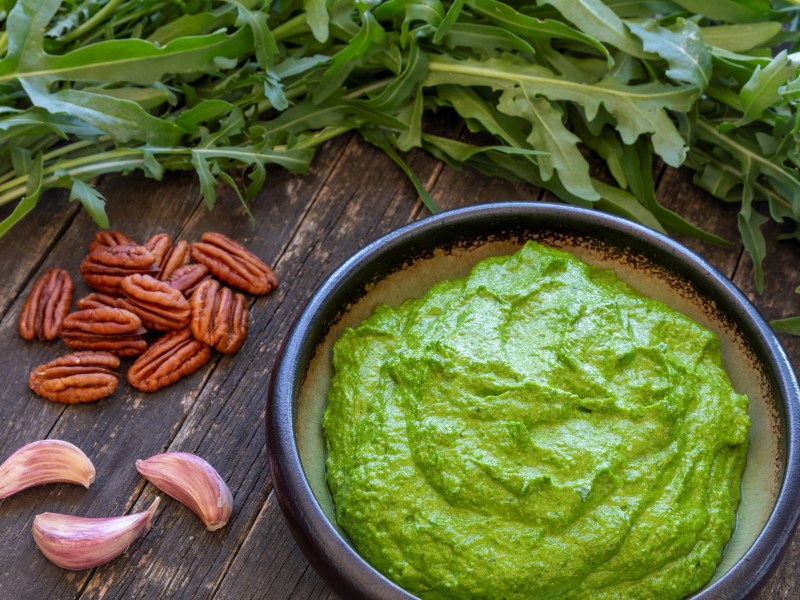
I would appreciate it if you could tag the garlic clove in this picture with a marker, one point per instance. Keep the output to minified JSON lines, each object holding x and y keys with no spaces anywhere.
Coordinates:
{"x":45,"y":461}
{"x":78,"y":543}
{"x":190,"y":480}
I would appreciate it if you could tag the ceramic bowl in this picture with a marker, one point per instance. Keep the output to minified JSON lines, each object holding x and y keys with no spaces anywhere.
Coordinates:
{"x":408,"y":261}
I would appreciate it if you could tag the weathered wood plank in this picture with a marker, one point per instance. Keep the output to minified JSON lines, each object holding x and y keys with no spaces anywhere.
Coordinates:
{"x":28,"y":243}
{"x":272,"y":564}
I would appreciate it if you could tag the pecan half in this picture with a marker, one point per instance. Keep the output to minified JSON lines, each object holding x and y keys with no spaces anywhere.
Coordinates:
{"x":46,"y":306}
{"x":170,"y":358}
{"x":111,"y":329}
{"x":219,"y":317}
{"x":105,"y":267}
{"x":177,"y":256}
{"x":79,"y":377}
{"x":169,"y":256}
{"x":110,"y":238}
{"x":158,"y":245}
{"x":96,"y":300}
{"x":160,"y":306}
{"x":232,"y":263}
{"x":185,"y":279}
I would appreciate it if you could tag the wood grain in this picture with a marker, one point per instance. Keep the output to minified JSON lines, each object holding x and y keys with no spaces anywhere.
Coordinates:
{"x":305,"y":227}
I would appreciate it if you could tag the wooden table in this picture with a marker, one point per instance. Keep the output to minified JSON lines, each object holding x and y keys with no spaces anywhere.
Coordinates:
{"x":306,"y":226}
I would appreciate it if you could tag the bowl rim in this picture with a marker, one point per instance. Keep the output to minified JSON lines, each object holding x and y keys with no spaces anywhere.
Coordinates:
{"x":330,"y":554}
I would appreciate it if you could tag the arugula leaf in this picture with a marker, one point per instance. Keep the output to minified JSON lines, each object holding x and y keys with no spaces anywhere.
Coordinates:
{"x":264,"y":44}
{"x":462,"y":152}
{"x":548,"y":133}
{"x":790,"y":325}
{"x":594,"y":18}
{"x":135,"y":61}
{"x":503,"y":15}
{"x":152,"y":168}
{"x":740,"y":38}
{"x":762,"y":90}
{"x":92,"y":201}
{"x":681,"y":46}
{"x":317,"y":18}
{"x":639,"y":109}
{"x":750,"y":222}
{"x":733,"y":11}
{"x":449,"y":20}
{"x":344,"y":61}
{"x":125,"y":120}
{"x":404,"y":85}
{"x":33,"y":191}
{"x":208,"y":183}
{"x":489,"y":37}
{"x":626,"y":205}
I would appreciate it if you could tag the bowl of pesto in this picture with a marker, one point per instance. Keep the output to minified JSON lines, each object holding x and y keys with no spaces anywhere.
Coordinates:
{"x":534,"y":401}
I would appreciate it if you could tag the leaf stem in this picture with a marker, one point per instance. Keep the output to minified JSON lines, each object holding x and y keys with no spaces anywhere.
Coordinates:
{"x":319,"y":137}
{"x":511,"y":75}
{"x":117,"y":160}
{"x":90,"y":23}
{"x":293,"y":26}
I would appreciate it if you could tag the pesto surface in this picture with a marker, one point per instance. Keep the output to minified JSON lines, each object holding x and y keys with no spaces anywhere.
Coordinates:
{"x":535,"y":430}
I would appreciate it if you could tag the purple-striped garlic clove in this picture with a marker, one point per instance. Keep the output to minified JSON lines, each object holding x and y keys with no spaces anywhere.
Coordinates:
{"x":45,"y":461}
{"x":190,"y":480}
{"x":79,"y":543}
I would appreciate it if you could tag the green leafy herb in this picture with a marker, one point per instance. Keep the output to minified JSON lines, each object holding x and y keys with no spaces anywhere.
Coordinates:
{"x":790,"y":325}
{"x":217,"y":86}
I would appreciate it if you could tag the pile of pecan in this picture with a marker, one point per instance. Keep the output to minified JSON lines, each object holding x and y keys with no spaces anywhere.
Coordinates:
{"x":176,"y":291}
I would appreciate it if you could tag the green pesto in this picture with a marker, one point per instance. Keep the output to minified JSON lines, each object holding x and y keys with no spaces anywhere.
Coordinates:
{"x":535,"y":430}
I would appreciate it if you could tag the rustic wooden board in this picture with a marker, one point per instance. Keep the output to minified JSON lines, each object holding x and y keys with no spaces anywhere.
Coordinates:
{"x":30,"y":243}
{"x":306,"y":226}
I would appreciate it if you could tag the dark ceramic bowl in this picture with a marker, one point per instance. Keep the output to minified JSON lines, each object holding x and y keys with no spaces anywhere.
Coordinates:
{"x":407,"y":262}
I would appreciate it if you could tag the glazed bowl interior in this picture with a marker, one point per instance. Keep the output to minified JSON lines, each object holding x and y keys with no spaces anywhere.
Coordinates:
{"x":408,"y":262}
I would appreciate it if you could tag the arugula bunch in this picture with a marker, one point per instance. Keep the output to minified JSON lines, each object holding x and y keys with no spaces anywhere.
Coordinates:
{"x":226,"y":87}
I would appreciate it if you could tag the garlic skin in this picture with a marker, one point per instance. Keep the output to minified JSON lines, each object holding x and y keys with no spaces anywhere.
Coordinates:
{"x":45,"y":461}
{"x":190,"y":480}
{"x":79,"y":543}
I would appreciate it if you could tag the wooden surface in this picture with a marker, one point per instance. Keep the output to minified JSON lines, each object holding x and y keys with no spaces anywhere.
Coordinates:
{"x":306,"y":227}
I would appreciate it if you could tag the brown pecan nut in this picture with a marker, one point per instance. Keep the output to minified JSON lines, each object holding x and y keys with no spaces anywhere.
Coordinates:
{"x":110,"y":238}
{"x":160,"y":306}
{"x":96,"y":300}
{"x":46,"y":306}
{"x":219,"y":317}
{"x":185,"y":279}
{"x":170,"y":358}
{"x":105,"y":267}
{"x":232,"y":263}
{"x":177,"y":256}
{"x":169,"y":256}
{"x":79,"y":377}
{"x":158,"y":245}
{"x":111,"y":329}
